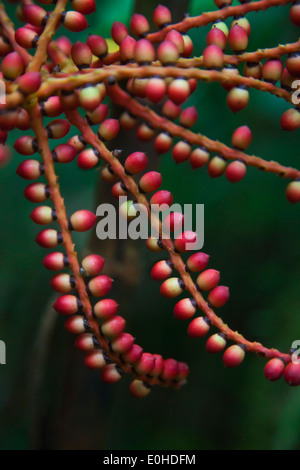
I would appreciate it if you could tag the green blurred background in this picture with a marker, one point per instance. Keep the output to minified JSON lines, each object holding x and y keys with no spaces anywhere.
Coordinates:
{"x":48,"y":400}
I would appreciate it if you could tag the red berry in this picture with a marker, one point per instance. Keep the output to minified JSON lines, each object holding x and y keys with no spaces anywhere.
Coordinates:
{"x":150,"y":181}
{"x":238,"y":38}
{"x":170,"y":370}
{"x":26,"y":37}
{"x":136,"y":163}
{"x":99,"y":285}
{"x":290,"y":120}
{"x":237,"y":98}
{"x":293,"y":192}
{"x":295,"y":13}
{"x":36,"y":192}
{"x":186,"y":241}
{"x":197,"y":261}
{"x":163,"y":142}
{"x":122,"y":343}
{"x":139,"y":389}
{"x":67,"y":305}
{"x":172,"y":287}
{"x":12,"y":66}
{"x":62,"y":283}
{"x":139,"y":24}
{"x":216,"y":166}
{"x":162,"y":197}
{"x":97,"y":44}
{"x":86,"y":7}
{"x":127,"y":47}
{"x":144,"y":52}
{"x":58,"y":128}
{"x":292,"y":374}
{"x":162,"y":16}
{"x":109,"y":129}
{"x":30,"y":169}
{"x":253,"y":69}
{"x":217,"y":37}
{"x":105,"y":309}
{"x":161,"y":270}
{"x":272,"y":70}
{"x":49,"y":238}
{"x":83,"y":220}
{"x":133,"y":355}
{"x":81,"y":55}
{"x":208,"y":279}
{"x":76,"y":324}
{"x":176,"y":38}
{"x":145,"y":364}
{"x":64,"y":153}
{"x":181,"y":151}
{"x":199,"y":327}
{"x":35,"y":15}
{"x":241,"y":138}
{"x":213,"y":57}
{"x":111,"y":373}
{"x":293,"y":64}
{"x":274,"y":369}
{"x":55,"y":261}
{"x":92,"y":265}
{"x":156,"y":89}
{"x":188,"y":117}
{"x":179,"y":90}
{"x":216,"y":343}
{"x":234,"y":355}
{"x":173,"y":222}
{"x":43,"y":215}
{"x":199,"y":157}
{"x":113,"y":326}
{"x":118,"y":31}
{"x":74,"y":21}
{"x":95,"y":359}
{"x":171,"y":110}
{"x":167,"y":53}
{"x":236,"y":171}
{"x":185,"y":309}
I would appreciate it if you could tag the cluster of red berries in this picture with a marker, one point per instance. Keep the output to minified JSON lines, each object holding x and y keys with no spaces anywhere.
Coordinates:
{"x":101,"y":333}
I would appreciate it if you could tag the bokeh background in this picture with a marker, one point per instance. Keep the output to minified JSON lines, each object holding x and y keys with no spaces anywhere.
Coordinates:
{"x":48,"y":400}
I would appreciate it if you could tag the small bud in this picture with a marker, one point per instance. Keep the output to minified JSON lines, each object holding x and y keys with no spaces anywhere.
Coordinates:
{"x":216,"y":343}
{"x":99,"y":285}
{"x":66,"y":305}
{"x":292,"y":374}
{"x":83,"y":220}
{"x":113,"y":326}
{"x":74,"y":21}
{"x":199,"y":327}
{"x":105,"y":309}
{"x":135,"y":163}
{"x":208,"y":279}
{"x":234,"y":355}
{"x":274,"y":369}
{"x":185,"y":309}
{"x":172,"y":287}
{"x":30,"y":169}
{"x":139,"y":389}
{"x":49,"y":238}
{"x":161,"y":270}
{"x":55,"y":261}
